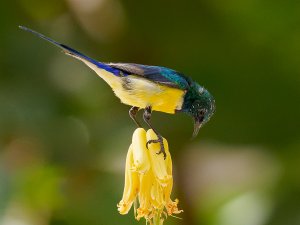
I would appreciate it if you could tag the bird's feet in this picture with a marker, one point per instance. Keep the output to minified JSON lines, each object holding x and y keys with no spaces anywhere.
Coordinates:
{"x":160,"y":141}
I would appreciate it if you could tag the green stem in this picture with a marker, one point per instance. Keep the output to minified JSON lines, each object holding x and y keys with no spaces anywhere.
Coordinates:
{"x":157,"y":219}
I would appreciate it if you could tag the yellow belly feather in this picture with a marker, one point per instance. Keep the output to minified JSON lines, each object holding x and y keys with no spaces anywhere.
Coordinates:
{"x":145,"y":93}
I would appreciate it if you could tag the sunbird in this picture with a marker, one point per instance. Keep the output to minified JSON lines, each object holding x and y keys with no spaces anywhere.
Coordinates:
{"x":151,"y":88}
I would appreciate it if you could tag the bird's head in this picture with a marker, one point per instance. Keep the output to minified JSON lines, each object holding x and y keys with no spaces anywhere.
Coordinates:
{"x":201,"y":108}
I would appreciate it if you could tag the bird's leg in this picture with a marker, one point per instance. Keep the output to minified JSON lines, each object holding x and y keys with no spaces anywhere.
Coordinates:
{"x":147,"y":117}
{"x":132,"y":113}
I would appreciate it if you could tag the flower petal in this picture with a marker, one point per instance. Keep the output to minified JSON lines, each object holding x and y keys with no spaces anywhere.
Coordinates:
{"x":140,"y":152}
{"x":157,"y":195}
{"x":172,"y":207}
{"x":158,"y":163}
{"x":145,"y":194}
{"x":131,"y":187}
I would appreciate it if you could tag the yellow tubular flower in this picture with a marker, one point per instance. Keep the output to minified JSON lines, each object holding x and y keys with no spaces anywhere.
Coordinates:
{"x":159,"y":165}
{"x":131,"y":187}
{"x":140,"y":152}
{"x":148,"y":180}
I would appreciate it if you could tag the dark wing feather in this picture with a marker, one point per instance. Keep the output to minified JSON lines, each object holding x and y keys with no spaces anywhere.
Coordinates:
{"x":161,"y":75}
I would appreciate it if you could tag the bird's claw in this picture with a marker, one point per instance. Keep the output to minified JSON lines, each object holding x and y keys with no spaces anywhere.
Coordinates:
{"x":162,"y":148}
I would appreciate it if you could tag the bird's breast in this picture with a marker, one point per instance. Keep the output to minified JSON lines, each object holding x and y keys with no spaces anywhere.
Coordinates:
{"x":140,"y":92}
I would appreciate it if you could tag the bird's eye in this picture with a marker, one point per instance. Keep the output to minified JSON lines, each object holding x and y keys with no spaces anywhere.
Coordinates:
{"x":202,"y":112}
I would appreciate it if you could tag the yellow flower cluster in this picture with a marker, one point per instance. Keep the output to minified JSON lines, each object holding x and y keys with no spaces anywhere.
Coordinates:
{"x":148,"y":180}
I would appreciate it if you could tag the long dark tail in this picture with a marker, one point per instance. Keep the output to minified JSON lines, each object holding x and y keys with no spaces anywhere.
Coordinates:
{"x":72,"y":52}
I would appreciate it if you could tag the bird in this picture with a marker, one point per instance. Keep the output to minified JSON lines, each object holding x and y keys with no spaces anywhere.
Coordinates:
{"x":149,"y":88}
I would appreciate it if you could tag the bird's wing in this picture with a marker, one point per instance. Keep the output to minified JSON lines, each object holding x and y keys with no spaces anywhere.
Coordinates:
{"x":74,"y":53}
{"x":157,"y":74}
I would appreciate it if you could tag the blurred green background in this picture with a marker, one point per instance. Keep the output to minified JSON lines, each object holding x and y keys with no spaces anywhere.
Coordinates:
{"x":64,"y":135}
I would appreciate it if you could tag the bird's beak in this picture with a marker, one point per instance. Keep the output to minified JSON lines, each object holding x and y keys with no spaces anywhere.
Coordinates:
{"x":197,"y":126}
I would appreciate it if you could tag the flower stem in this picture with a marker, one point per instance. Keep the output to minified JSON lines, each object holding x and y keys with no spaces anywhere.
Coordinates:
{"x":157,"y":220}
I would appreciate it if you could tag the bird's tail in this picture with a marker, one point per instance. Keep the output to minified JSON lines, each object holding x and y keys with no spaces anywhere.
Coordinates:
{"x":74,"y":53}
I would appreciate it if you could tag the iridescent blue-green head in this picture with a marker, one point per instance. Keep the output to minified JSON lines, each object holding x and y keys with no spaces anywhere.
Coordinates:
{"x":200,"y":105}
